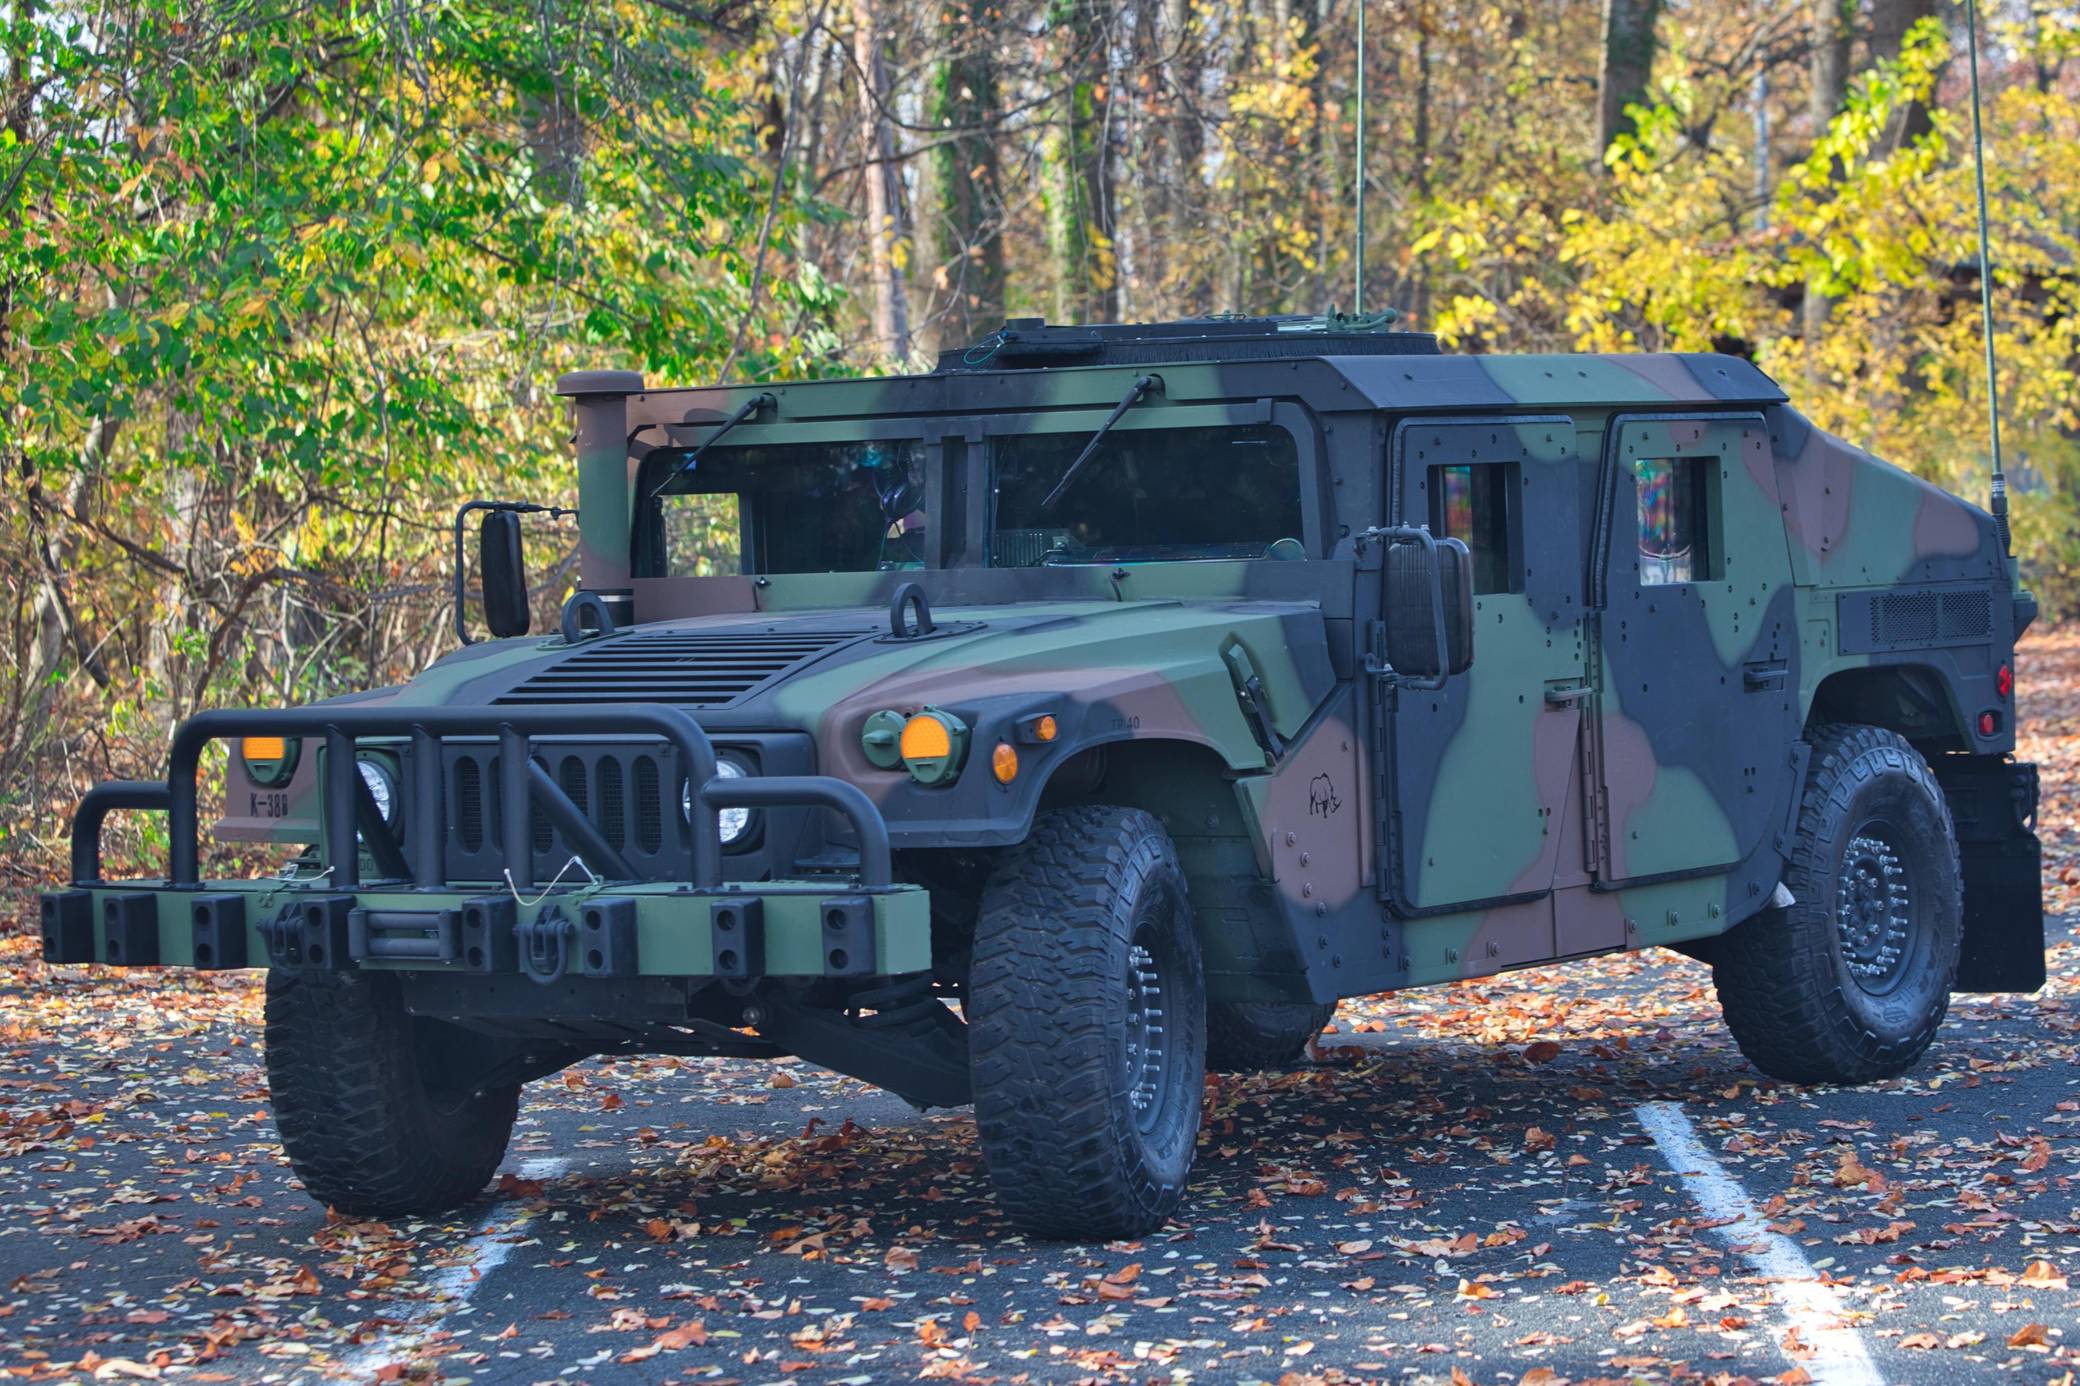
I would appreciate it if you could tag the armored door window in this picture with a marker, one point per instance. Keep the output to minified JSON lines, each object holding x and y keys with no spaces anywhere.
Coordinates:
{"x":1473,"y":503}
{"x":1674,"y":510}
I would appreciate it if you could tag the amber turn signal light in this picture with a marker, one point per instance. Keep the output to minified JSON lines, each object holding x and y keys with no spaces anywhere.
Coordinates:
{"x":925,"y":737}
{"x":1038,"y":730}
{"x":265,"y":747}
{"x":269,"y":760}
{"x":1003,"y":763}
{"x":933,"y":745}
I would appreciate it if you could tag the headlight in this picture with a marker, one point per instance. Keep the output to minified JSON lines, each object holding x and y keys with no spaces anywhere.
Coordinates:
{"x":381,"y":787}
{"x":733,"y":821}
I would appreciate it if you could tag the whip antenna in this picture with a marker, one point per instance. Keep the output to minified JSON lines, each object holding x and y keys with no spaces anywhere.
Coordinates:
{"x":1993,"y":386}
{"x":1358,"y":287}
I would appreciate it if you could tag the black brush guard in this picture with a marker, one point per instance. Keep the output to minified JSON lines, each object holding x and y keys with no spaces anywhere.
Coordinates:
{"x":351,"y":820}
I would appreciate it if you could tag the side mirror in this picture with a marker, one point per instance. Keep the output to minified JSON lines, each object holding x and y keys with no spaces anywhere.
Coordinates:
{"x":504,"y":570}
{"x":1429,"y":596}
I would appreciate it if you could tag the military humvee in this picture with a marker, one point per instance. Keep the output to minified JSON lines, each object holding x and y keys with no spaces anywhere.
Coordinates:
{"x":1144,"y":690}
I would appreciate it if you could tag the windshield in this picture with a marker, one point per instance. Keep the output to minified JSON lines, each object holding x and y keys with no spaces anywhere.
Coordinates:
{"x":800,"y":508}
{"x":1148,"y":493}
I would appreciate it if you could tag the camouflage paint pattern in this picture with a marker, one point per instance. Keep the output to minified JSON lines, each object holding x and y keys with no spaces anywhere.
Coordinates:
{"x":1617,"y":768}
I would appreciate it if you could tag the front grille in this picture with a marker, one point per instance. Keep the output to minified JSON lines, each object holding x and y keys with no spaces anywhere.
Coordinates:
{"x":468,"y":794}
{"x":619,"y":787}
{"x":649,"y":813}
{"x":709,"y":669}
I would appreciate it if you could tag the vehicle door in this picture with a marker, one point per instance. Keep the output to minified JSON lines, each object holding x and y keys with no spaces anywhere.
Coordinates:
{"x":1696,"y":725}
{"x":1480,"y":775}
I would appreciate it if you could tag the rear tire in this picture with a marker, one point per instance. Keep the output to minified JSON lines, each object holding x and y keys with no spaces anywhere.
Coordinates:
{"x":376,"y":1107}
{"x":1260,"y":1036}
{"x":1849,"y":983}
{"x":1087,"y":1027}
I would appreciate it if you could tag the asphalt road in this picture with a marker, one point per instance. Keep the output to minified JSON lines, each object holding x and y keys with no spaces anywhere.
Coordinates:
{"x":1562,"y":1174}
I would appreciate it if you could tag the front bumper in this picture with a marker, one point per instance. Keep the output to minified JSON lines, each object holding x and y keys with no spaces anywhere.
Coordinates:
{"x":406,"y":917}
{"x":775,"y":929}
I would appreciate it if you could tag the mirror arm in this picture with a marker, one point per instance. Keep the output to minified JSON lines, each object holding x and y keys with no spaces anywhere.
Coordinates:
{"x":554,"y":512}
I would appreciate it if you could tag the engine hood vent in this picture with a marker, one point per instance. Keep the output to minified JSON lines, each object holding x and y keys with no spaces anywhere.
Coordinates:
{"x":693,"y":669}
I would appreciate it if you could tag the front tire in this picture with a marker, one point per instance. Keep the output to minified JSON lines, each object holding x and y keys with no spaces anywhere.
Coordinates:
{"x":1849,"y":983}
{"x":1087,"y":1027}
{"x":377,"y":1108}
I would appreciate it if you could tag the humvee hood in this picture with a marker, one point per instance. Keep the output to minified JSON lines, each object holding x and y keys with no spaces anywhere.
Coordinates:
{"x":1159,"y":666}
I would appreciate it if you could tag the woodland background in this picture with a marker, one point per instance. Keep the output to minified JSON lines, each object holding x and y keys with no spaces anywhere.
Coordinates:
{"x":280,"y":283}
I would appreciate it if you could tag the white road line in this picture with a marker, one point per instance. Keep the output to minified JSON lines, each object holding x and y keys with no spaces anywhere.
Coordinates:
{"x":485,"y":1251}
{"x":1839,"y":1356}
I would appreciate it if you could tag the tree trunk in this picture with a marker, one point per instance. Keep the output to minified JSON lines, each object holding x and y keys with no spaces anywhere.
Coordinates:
{"x":965,"y":215}
{"x":1628,"y":64}
{"x":52,"y":622}
{"x":1419,"y":305}
{"x":1101,"y":295}
{"x":1184,"y":276}
{"x":1828,"y":67}
{"x":1829,"y":72}
{"x":1079,"y":242}
{"x":1890,"y":21}
{"x":884,"y":204}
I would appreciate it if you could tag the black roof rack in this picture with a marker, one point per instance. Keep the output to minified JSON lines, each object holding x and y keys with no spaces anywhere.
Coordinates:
{"x":1030,"y":343}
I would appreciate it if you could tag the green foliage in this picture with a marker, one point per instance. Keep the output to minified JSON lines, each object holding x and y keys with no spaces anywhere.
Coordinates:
{"x":1888,"y":237}
{"x":280,"y":284}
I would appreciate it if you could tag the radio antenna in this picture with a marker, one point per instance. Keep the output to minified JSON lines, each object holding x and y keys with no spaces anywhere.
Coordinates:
{"x":1358,"y":286}
{"x":1993,"y":385}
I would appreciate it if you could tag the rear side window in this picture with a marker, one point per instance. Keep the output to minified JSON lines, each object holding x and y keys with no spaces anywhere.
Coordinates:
{"x":1146,"y":494}
{"x":1475,"y":504}
{"x":1675,"y":530}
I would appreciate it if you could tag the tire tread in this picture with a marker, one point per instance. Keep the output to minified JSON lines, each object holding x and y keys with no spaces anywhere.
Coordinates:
{"x":1042,"y":994}
{"x":1779,"y":984}
{"x":350,"y":1107}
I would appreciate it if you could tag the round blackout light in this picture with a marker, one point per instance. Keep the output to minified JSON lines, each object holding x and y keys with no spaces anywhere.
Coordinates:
{"x":732,"y":821}
{"x":381,"y":788}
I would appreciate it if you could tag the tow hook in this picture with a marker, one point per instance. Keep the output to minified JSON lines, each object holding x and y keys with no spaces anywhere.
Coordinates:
{"x":545,"y":945}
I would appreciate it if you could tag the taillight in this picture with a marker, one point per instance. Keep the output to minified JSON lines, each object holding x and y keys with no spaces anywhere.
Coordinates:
{"x":2004,"y":680}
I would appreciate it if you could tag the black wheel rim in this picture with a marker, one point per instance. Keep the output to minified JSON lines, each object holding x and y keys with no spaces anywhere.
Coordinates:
{"x":1874,"y":908}
{"x":1147,"y":1055}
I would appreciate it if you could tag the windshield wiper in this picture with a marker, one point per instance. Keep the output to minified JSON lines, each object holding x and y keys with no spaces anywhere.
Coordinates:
{"x":744,"y":411}
{"x":1127,"y":401}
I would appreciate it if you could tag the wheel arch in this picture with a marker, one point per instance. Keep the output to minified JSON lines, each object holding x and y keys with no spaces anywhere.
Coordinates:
{"x":1245,"y":931}
{"x":1912,"y":698}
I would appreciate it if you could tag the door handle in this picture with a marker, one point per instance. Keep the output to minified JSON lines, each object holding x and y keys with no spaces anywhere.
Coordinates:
{"x":1561,"y":694}
{"x":1764,"y":675}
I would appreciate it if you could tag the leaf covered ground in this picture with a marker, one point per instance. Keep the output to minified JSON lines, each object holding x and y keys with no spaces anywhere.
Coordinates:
{"x":1464,"y":1184}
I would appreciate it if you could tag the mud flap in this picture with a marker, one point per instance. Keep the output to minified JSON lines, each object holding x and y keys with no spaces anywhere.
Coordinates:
{"x":1993,"y":803}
